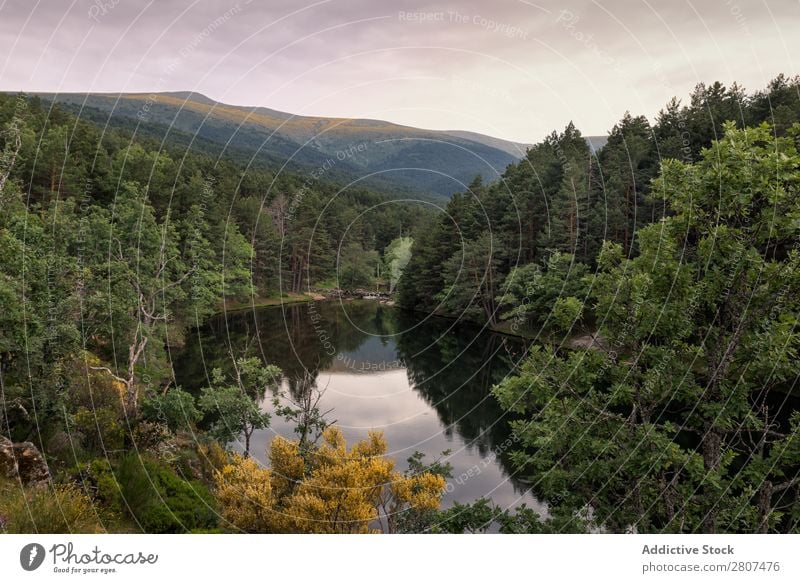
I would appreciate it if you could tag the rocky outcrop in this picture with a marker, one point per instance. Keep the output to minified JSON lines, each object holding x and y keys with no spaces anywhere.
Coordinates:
{"x":349,"y":294}
{"x":22,"y":461}
{"x":589,"y":342}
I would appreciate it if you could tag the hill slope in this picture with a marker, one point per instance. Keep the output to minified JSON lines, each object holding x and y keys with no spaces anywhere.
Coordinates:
{"x":377,"y":153}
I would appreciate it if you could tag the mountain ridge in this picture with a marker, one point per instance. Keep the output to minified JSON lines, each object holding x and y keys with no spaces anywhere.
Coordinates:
{"x":382,"y":154}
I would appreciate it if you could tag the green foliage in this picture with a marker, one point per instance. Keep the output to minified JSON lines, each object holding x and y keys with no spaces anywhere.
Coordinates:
{"x":235,"y":411}
{"x":472,"y":518}
{"x":681,"y":425}
{"x":175,"y":408}
{"x":395,"y":259}
{"x":121,"y":243}
{"x":483,"y":515}
{"x":235,"y":403}
{"x":470,"y":278}
{"x":549,"y":296}
{"x":159,"y":500}
{"x":98,"y":480}
{"x":356,"y":267}
{"x":677,"y":427}
{"x":564,"y":198}
{"x":422,"y":278}
{"x":101,"y":429}
{"x":567,"y":312}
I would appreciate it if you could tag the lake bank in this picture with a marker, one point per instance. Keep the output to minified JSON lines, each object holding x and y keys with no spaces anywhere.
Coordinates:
{"x":506,"y":328}
{"x":256,"y":302}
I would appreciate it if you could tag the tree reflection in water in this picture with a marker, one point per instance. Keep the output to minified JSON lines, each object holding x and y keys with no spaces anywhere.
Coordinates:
{"x":451,"y":367}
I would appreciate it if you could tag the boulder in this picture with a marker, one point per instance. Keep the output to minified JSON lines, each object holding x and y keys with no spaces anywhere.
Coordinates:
{"x":589,"y":342}
{"x":22,"y":461}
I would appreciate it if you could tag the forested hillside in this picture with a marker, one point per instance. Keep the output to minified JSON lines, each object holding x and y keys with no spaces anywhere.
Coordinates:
{"x":676,"y":248}
{"x":376,"y":153}
{"x":114,"y":246}
{"x":552,"y":211}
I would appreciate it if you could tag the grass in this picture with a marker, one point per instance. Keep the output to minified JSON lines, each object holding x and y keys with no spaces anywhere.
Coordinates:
{"x":328,"y":284}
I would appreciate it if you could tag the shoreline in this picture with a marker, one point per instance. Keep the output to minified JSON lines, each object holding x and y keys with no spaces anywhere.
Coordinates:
{"x":322,"y":296}
{"x":263,"y":302}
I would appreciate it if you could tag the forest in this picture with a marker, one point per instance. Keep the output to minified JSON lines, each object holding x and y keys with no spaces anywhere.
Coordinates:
{"x":674,"y":247}
{"x":112,"y":247}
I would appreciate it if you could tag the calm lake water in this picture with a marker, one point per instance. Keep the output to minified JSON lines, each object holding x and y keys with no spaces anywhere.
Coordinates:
{"x":424,"y":382}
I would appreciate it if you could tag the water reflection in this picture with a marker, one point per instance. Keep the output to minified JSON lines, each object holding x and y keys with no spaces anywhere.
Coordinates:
{"x":424,"y":382}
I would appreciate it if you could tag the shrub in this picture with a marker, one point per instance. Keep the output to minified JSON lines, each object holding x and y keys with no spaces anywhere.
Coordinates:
{"x":147,"y":435}
{"x":532,"y":292}
{"x":101,"y":429}
{"x":332,"y":490}
{"x":175,"y":409}
{"x":160,"y":500}
{"x":244,"y":491}
{"x":90,"y":388}
{"x":566,"y":313}
{"x":98,"y":481}
{"x":53,"y":509}
{"x":212,"y":457}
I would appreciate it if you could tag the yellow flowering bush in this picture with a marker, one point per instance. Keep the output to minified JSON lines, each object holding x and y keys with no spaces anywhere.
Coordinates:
{"x":332,"y":490}
{"x":244,"y":493}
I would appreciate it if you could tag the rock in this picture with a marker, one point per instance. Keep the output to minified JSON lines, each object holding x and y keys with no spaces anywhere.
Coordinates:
{"x":589,"y":342}
{"x":8,"y":465}
{"x":22,"y":461}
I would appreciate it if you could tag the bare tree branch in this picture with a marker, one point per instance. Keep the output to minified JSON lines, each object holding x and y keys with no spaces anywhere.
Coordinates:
{"x":110,"y":372}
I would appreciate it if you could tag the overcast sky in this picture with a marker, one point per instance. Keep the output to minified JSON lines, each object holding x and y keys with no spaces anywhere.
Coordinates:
{"x":510,"y":68}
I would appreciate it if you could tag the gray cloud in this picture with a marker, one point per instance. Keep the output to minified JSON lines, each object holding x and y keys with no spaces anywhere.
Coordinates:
{"x":515,"y":69}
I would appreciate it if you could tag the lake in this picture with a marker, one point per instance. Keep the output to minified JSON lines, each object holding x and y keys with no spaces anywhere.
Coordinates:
{"x":424,"y":381}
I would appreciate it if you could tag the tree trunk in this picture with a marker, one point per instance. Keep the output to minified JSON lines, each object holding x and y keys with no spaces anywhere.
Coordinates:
{"x":764,"y":506}
{"x":298,"y":265}
{"x":627,"y":219}
{"x":135,"y":352}
{"x":12,"y":159}
{"x":489,"y":303}
{"x":712,"y":456}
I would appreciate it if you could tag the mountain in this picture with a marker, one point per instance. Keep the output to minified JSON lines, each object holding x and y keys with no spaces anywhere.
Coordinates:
{"x":516,"y":149}
{"x":391,"y":157}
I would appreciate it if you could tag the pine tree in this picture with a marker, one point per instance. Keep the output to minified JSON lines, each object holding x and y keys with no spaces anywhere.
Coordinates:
{"x":680,"y":423}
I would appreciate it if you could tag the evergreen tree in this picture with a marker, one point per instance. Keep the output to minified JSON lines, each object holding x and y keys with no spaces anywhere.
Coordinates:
{"x":678,"y":426}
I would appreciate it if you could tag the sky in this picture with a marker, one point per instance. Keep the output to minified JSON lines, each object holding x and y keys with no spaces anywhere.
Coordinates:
{"x":514,"y":69}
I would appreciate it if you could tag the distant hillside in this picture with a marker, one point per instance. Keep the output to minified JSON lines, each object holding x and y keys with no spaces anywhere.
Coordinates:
{"x":378,"y":153}
{"x":516,"y":149}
